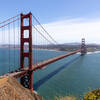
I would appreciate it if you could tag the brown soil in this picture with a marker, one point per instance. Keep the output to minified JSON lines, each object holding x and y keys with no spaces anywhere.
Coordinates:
{"x":10,"y":89}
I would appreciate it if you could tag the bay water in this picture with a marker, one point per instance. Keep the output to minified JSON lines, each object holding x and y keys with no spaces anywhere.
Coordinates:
{"x":71,"y":76}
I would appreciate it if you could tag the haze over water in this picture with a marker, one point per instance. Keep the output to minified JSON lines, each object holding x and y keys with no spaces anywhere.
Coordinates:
{"x":74,"y":75}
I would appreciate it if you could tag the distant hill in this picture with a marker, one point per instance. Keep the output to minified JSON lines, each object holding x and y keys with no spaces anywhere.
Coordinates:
{"x":61,"y":47}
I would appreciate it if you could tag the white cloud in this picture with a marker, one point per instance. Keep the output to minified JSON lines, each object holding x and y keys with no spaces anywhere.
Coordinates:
{"x":73,"y":30}
{"x":70,"y":30}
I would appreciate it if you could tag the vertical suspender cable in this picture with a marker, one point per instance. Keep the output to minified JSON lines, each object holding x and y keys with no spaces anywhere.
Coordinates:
{"x":18,"y":45}
{"x":9,"y":44}
{"x":4,"y":44}
{"x":3,"y":25}
{"x":36,"y":47}
{"x":44,"y":29}
{"x":2,"y":51}
{"x":14,"y":41}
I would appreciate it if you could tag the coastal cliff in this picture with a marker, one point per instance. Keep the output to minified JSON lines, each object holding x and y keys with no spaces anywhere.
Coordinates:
{"x":11,"y":89}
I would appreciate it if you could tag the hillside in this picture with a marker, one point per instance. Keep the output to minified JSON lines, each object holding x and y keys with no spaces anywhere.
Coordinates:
{"x":60,"y":47}
{"x":10,"y":89}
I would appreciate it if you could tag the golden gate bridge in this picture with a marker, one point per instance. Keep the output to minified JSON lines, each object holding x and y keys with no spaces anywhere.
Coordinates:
{"x":18,"y":30}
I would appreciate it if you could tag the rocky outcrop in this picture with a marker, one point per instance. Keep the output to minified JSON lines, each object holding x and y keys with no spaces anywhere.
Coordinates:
{"x":11,"y":89}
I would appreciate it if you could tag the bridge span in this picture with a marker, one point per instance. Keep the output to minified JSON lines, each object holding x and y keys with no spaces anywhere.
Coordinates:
{"x":40,"y":65}
{"x":25,"y":73}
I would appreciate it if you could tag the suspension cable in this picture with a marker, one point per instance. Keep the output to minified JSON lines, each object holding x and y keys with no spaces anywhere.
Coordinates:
{"x":44,"y":29}
{"x":9,"y":23}
{"x":42,"y":35}
{"x":9,"y":19}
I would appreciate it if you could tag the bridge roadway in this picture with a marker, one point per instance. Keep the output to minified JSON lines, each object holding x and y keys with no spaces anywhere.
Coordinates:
{"x":40,"y":65}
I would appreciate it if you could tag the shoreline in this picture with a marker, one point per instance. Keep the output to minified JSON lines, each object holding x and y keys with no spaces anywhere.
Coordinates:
{"x":33,"y":49}
{"x":88,"y":52}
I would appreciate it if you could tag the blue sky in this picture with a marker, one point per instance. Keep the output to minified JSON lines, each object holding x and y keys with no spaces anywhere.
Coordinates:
{"x":65,"y":20}
{"x":51,"y":10}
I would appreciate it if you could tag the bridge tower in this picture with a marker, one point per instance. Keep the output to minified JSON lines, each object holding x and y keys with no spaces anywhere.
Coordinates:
{"x":27,"y":80}
{"x":83,"y":47}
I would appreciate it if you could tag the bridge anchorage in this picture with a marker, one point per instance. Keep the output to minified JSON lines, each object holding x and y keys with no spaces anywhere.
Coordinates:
{"x":83,"y":47}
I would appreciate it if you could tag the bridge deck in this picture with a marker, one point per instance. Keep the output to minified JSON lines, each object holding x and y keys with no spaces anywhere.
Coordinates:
{"x":40,"y":65}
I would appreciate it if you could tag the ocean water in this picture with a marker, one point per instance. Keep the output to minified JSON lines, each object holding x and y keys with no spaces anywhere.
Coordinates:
{"x":74,"y":75}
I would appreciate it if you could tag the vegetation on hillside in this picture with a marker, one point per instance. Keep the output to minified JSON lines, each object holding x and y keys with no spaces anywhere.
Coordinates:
{"x":93,"y":95}
{"x":66,"y":98}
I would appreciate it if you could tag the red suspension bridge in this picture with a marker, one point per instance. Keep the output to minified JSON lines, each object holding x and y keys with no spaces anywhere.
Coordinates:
{"x":17,"y":31}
